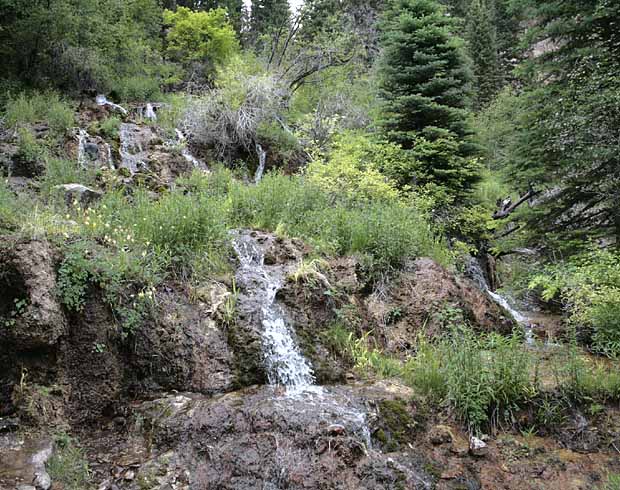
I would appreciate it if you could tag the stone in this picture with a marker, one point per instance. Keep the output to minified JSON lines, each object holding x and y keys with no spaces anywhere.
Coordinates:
{"x":477,"y":447}
{"x":42,"y":479}
{"x":85,"y":196}
{"x":440,"y":434}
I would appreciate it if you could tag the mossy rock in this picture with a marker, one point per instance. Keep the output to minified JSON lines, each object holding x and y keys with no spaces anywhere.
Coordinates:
{"x":396,"y":426}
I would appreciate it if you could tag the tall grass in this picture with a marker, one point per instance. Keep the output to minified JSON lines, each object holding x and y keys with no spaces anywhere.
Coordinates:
{"x":39,"y":107}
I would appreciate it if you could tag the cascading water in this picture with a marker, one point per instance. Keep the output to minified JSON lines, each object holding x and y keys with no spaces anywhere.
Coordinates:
{"x":284,"y":363}
{"x":149,"y":112}
{"x":102,"y":101}
{"x":475,"y":273}
{"x":89,"y":151}
{"x":82,"y":139}
{"x":182,"y":140}
{"x":262,"y":158}
{"x":283,"y":360}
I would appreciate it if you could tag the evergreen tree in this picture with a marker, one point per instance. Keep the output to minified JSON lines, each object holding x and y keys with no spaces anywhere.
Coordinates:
{"x":483,"y":49}
{"x":268,"y":18}
{"x":425,"y":85}
{"x":570,"y":124}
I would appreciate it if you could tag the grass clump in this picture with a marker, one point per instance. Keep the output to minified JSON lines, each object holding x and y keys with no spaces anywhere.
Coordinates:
{"x":40,"y":107}
{"x":68,"y":465}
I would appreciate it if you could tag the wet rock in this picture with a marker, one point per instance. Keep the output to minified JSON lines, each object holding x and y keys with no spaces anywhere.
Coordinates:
{"x":258,"y":439}
{"x":85,"y":196}
{"x":190,"y":347}
{"x":9,"y":424}
{"x":23,"y":462}
{"x":440,"y":434}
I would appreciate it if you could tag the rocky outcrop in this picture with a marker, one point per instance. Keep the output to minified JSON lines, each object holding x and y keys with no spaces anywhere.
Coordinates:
{"x":30,"y":312}
{"x":426,"y":297}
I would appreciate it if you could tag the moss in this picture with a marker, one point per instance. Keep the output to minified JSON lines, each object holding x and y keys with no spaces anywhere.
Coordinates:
{"x":397,"y":425}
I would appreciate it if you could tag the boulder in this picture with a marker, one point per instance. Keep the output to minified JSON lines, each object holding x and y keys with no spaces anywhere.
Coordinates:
{"x":85,"y":196}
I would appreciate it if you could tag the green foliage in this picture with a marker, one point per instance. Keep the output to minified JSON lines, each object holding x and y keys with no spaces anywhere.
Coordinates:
{"x":589,"y":286}
{"x":484,"y":379}
{"x":353,"y":169}
{"x":31,"y":152}
{"x":68,"y":464}
{"x":109,"y":127}
{"x":74,"y":276}
{"x":425,"y":84}
{"x":9,"y":206}
{"x":204,"y":37}
{"x":582,"y":380}
{"x":100,"y":45}
{"x":612,"y":483}
{"x":60,"y":171}
{"x":47,"y":107}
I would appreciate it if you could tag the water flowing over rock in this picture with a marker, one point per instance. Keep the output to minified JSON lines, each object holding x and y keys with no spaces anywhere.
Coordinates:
{"x":262,"y":158}
{"x":284,"y":363}
{"x":135,"y":141}
{"x":93,"y":151}
{"x":182,"y":140}
{"x":103,"y":101}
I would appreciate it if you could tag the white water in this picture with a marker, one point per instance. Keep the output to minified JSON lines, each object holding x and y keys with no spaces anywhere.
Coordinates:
{"x":82,"y":139}
{"x":182,"y":140}
{"x":101,"y":100}
{"x":149,"y":112}
{"x":284,"y":363}
{"x":475,"y":272}
{"x":82,"y":156}
{"x":262,"y":157}
{"x":132,"y":149}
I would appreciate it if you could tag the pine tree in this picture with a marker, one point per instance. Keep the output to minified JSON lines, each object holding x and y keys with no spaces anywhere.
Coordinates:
{"x":483,"y":49}
{"x":425,"y":85}
{"x":268,"y":17}
{"x":570,"y":124}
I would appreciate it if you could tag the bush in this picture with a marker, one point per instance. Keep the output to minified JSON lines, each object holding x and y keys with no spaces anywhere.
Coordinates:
{"x":482,"y":378}
{"x":40,"y":107}
{"x":61,"y":171}
{"x":589,"y":286}
{"x":353,"y":170}
{"x":109,"y":127}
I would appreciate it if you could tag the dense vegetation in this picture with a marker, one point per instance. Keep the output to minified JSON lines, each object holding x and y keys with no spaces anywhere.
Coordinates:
{"x":392,"y":130}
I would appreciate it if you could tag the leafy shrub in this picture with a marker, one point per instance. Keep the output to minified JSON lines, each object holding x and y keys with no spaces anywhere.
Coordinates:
{"x":353,"y":170}
{"x":74,"y":276}
{"x":199,"y":36}
{"x":40,"y":107}
{"x":109,"y":127}
{"x":589,"y":286}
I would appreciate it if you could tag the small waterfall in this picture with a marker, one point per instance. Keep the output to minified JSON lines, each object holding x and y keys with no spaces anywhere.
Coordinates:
{"x":262,"y":157}
{"x":102,"y":101}
{"x":134,"y":141}
{"x":93,"y":150}
{"x":285,"y":364}
{"x":182,"y":140}
{"x":474,"y":271}
{"x":149,"y":112}
{"x":81,"y":156}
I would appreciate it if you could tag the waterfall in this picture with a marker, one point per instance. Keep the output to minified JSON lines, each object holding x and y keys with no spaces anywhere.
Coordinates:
{"x":285,"y":364}
{"x":182,"y":140}
{"x":262,"y":157}
{"x":149,"y":112}
{"x":101,"y":100}
{"x":474,"y":271}
{"x":81,"y":156}
{"x":134,"y":141}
